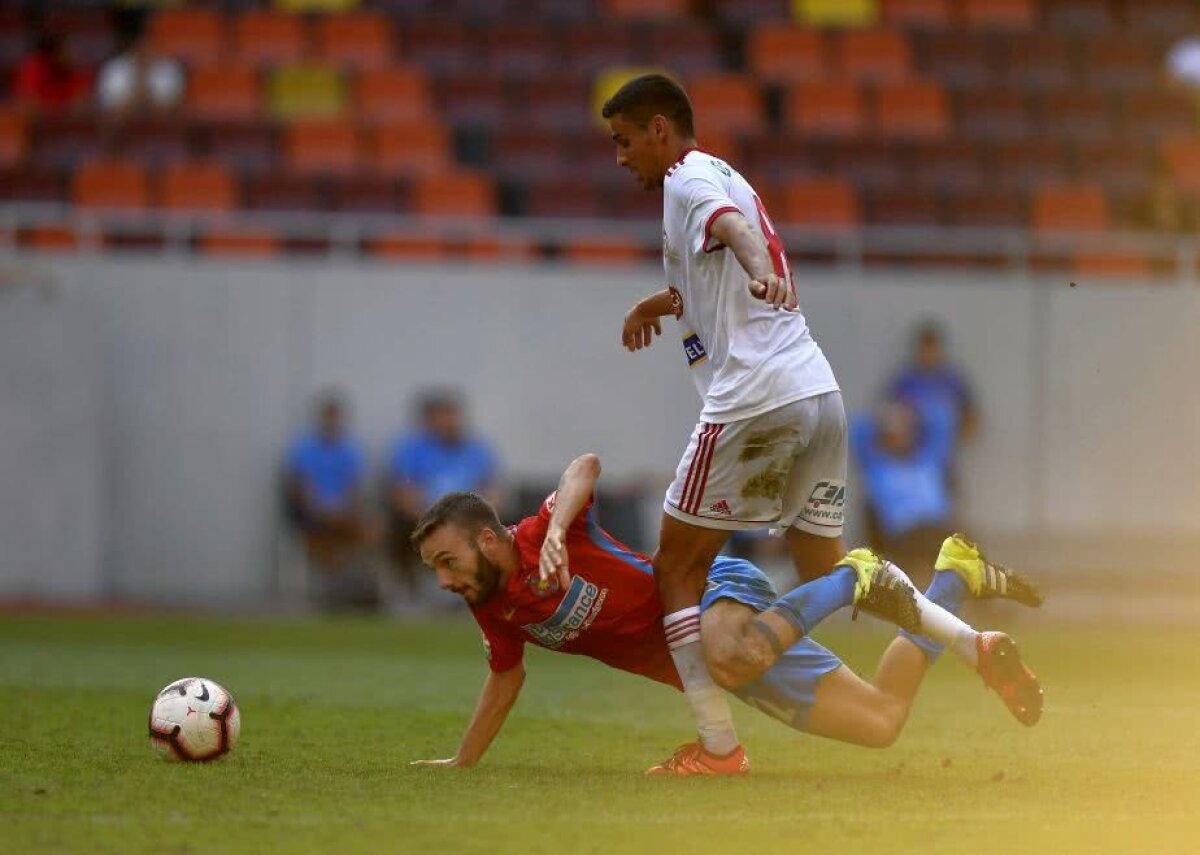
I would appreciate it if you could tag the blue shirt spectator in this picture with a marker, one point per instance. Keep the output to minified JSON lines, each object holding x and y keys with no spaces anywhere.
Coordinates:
{"x":436,"y":467}
{"x":330,"y":470}
{"x":934,"y":387}
{"x":904,"y":458}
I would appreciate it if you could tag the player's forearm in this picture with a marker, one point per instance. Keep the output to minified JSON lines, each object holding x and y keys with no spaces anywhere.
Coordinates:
{"x":657,"y":305}
{"x":499,"y":693}
{"x":747,"y":245}
{"x":575,"y":487}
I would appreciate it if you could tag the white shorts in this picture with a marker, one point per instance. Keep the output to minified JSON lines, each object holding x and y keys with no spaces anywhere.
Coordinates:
{"x":785,"y":468}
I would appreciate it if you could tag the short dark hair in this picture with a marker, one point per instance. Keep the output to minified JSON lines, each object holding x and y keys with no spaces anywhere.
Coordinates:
{"x":469,"y":511}
{"x":650,"y":95}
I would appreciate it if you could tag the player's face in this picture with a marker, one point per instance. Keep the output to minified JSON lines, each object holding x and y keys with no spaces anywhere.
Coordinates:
{"x":460,"y":564}
{"x":640,"y":150}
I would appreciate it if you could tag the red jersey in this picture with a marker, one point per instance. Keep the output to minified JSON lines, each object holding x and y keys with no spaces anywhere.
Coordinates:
{"x":611,"y":610}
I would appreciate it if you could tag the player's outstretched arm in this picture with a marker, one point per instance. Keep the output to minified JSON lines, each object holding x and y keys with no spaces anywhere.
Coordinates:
{"x":575,"y":487}
{"x":641,"y":322}
{"x":499,"y":693}
{"x":735,"y":231}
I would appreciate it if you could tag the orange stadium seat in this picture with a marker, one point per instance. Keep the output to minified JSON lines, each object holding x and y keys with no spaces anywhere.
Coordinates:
{"x":1000,"y":14}
{"x":641,"y":9}
{"x":393,"y":94}
{"x":52,"y":239}
{"x":199,"y":186}
{"x":831,"y":110}
{"x":1130,"y":265}
{"x":227,"y":92}
{"x":988,"y":209}
{"x":358,"y":40}
{"x":111,"y":183}
{"x":1070,"y":207}
{"x":499,"y":249}
{"x":410,"y":148}
{"x":586,"y":249}
{"x":269,"y":38}
{"x":686,"y":49}
{"x":728,"y":104}
{"x":914,"y":14}
{"x":322,"y":147}
{"x":876,"y":55}
{"x":459,"y":194}
{"x":191,"y":34}
{"x":780,"y":53}
{"x":996,"y":115}
{"x":826,"y":202}
{"x":408,"y":246}
{"x":367,"y":193}
{"x":912,"y":110}
{"x":14,"y":138}
{"x":1181,"y":155}
{"x":244,"y":242}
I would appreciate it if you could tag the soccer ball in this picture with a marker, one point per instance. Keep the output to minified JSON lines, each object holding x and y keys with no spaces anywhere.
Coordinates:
{"x":194,"y":720}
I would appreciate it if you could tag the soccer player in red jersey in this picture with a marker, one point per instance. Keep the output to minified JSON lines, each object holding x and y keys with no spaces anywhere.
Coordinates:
{"x":559,"y":580}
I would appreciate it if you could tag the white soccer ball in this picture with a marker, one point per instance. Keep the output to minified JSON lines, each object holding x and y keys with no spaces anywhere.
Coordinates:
{"x":194,"y":720}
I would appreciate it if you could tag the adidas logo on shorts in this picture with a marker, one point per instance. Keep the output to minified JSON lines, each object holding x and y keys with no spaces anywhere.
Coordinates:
{"x":721,"y":507}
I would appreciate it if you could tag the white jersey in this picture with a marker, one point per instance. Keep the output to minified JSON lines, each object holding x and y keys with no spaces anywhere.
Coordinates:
{"x":746,"y":357}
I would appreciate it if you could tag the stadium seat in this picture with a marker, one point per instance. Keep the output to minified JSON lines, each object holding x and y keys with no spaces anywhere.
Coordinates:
{"x":472,"y":101}
{"x":607,"y":250}
{"x":782,"y":53}
{"x":685,"y":49}
{"x":740,"y":15}
{"x":777,"y":158}
{"x":359,"y":40}
{"x":1123,"y":167}
{"x":826,"y":110}
{"x":663,"y":10}
{"x":873,"y":55}
{"x":281,"y":192}
{"x":631,"y":202}
{"x":902,"y":208}
{"x":824,"y":202}
{"x":192,"y":34}
{"x":154,"y":142}
{"x":953,"y":165}
{"x":244,"y":242}
{"x":322,"y":147}
{"x":995,"y":208}
{"x":408,"y":246}
{"x":61,"y":142}
{"x":870,"y":163}
{"x":1181,"y":156}
{"x":1084,"y":17}
{"x":1129,"y":265}
{"x":1039,"y":61}
{"x":88,"y":32}
{"x":262,"y":37}
{"x":1026,"y":164}
{"x":199,"y":186}
{"x":393,"y":94}
{"x":1117,"y":63}
{"x":1070,"y":207}
{"x":306,"y":91}
{"x":410,"y":148}
{"x":14,"y":138}
{"x":520,"y":50}
{"x":728,"y":104}
{"x":111,"y":183}
{"x":998,"y":115}
{"x":912,"y":110}
{"x":555,"y":103}
{"x":1000,"y":14}
{"x":28,"y":185}
{"x":918,"y":14}
{"x":488,"y":248}
{"x":227,"y":91}
{"x":1161,"y":17}
{"x":243,"y":147}
{"x":523,"y":153}
{"x":1077,"y":115}
{"x":836,"y":13}
{"x":958,"y":59}
{"x":566,"y":196}
{"x":459,"y":194}
{"x":440,"y":47}
{"x":368,"y":194}
{"x":593,"y":49}
{"x":1157,"y":116}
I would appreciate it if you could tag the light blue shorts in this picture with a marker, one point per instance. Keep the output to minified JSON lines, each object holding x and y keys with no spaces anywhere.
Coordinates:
{"x":787,"y":690}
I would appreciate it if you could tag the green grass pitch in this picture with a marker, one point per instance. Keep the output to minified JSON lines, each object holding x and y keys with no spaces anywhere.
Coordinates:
{"x":333,"y":710}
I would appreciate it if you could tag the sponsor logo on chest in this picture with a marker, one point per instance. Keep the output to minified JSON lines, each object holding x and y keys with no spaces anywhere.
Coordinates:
{"x":580,"y":606}
{"x":693,"y":349}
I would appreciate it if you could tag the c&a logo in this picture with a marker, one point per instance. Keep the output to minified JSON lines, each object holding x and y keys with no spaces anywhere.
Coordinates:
{"x":825,"y":505}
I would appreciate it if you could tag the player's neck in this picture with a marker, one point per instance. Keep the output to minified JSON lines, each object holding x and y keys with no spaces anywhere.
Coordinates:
{"x":679,"y":150}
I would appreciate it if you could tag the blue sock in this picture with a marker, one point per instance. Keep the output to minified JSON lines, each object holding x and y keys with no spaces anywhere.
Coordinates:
{"x":814,"y":601}
{"x":947,"y":590}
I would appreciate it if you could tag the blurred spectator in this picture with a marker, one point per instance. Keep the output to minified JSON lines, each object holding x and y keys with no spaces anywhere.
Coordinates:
{"x":438,"y":457}
{"x":325,"y":473}
{"x":904,"y":456}
{"x":137,"y":79}
{"x":935,"y":387}
{"x":48,"y":80}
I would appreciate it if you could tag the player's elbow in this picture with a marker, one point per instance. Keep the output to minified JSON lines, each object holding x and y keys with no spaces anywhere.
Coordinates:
{"x":589,"y":464}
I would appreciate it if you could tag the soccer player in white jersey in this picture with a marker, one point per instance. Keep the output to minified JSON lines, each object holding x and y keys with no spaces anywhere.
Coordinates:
{"x":770,"y":446}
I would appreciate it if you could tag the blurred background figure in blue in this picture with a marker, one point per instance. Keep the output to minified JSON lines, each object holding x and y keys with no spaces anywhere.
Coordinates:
{"x":441,"y":454}
{"x":904,"y":456}
{"x":325,"y":476}
{"x":935,"y":387}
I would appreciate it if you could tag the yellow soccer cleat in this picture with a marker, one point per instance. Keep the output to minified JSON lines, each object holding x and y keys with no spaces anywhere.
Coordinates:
{"x":881,"y":590}
{"x":985,"y":579}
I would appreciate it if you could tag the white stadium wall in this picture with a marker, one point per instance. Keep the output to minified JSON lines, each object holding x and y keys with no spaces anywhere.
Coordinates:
{"x":145,"y":403}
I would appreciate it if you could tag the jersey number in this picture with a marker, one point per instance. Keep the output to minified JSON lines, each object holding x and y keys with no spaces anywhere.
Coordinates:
{"x":775,"y":247}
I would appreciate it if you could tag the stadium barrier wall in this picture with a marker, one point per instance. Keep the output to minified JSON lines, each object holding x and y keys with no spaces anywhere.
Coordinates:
{"x":145,"y":403}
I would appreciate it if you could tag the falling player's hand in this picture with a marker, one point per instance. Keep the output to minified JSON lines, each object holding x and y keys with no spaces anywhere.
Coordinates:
{"x":639,"y":330}
{"x":553,"y":561}
{"x":775,"y":291}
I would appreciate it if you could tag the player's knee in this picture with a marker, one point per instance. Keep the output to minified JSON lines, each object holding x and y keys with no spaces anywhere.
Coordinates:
{"x":883,"y":732}
{"x":733,"y":665}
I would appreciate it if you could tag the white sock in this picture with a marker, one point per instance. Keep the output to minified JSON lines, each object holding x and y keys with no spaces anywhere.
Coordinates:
{"x":947,"y":629}
{"x":714,"y":721}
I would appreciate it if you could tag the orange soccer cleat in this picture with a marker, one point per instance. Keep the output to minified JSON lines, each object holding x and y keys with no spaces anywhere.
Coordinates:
{"x":693,"y":759}
{"x":1002,"y":670}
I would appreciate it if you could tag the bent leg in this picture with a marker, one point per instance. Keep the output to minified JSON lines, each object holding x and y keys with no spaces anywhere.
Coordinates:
{"x":813,"y":555}
{"x":685,"y":555}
